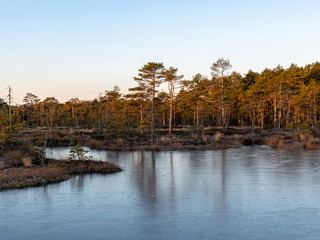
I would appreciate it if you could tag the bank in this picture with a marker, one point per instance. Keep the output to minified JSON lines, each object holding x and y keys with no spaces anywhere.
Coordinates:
{"x":54,"y":171}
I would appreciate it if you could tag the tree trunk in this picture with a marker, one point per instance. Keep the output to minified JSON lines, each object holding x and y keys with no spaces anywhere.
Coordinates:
{"x":141,"y":111}
{"x":153,"y":124}
{"x":262,"y":115}
{"x":171,"y":110}
{"x":99,"y":116}
{"x":280,"y":107}
{"x":163,"y":118}
{"x":222,"y":103}
{"x":253,"y":118}
{"x":314,"y":108}
{"x":288,"y":110}
{"x":275,"y":113}
{"x":197,"y":115}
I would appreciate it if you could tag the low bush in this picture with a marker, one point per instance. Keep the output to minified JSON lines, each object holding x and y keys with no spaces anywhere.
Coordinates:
{"x":13,"y":158}
{"x":312,"y":146}
{"x":276,"y":142}
{"x":95,"y":144}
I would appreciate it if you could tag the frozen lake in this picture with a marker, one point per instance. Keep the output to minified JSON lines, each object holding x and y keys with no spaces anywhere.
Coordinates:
{"x":245,"y":193}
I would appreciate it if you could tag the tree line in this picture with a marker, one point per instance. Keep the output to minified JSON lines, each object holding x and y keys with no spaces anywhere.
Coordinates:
{"x":275,"y":98}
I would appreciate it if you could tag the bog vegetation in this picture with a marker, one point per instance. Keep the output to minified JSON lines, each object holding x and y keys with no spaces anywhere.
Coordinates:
{"x":279,"y":107}
{"x":275,"y":98}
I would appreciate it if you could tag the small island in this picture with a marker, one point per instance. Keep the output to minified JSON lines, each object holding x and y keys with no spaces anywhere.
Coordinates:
{"x":39,"y":171}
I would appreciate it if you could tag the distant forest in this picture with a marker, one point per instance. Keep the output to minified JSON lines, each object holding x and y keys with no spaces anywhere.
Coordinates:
{"x":275,"y":98}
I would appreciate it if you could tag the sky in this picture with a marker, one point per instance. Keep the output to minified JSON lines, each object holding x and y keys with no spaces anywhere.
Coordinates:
{"x":80,"y":48}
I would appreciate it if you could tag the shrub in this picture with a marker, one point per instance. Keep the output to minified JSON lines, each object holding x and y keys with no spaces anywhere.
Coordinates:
{"x":311,"y":146}
{"x":115,"y":129}
{"x":302,"y":129}
{"x":13,"y":158}
{"x":276,"y":142}
{"x":8,"y":135}
{"x":78,"y":153}
{"x":95,"y":144}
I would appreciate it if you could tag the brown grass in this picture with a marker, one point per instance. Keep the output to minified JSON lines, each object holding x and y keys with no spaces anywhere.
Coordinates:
{"x":281,"y":144}
{"x":27,"y":161}
{"x":13,"y":158}
{"x":205,"y":138}
{"x":94,"y":144}
{"x":273,"y":142}
{"x":167,"y":138}
{"x":119,"y":140}
{"x":55,"y":171}
{"x":96,"y":167}
{"x":2,"y":164}
{"x":276,"y":142}
{"x":28,"y":177}
{"x":312,"y":146}
{"x":218,"y":136}
{"x":181,"y":138}
{"x":35,"y":172}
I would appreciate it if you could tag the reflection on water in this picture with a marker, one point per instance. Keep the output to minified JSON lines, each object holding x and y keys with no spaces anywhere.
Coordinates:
{"x":245,"y":193}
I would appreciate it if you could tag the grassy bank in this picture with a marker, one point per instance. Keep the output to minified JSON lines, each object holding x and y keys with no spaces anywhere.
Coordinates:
{"x":53,"y":172}
{"x":180,"y":139}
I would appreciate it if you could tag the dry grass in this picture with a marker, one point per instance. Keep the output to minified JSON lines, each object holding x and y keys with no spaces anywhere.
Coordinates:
{"x":28,"y":177}
{"x":13,"y":158}
{"x":56,"y":171}
{"x":35,"y":172}
{"x":310,"y":145}
{"x":276,"y":142}
{"x":218,"y":136}
{"x":27,"y":161}
{"x":195,"y":135}
{"x":94,"y":144}
{"x":181,"y":138}
{"x":281,"y":144}
{"x":96,"y":167}
{"x":166,"y":138}
{"x":119,"y":140}
{"x":205,"y":138}
{"x":63,"y":157}
{"x":273,"y":142}
{"x":2,"y":164}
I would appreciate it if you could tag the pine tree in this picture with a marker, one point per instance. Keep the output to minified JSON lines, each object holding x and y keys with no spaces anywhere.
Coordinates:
{"x":220,"y":70}
{"x":173,"y":80}
{"x":151,"y":75}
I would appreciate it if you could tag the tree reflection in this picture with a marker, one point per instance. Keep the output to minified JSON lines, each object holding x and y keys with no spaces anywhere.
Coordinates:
{"x":172,"y":189}
{"x":77,"y":182}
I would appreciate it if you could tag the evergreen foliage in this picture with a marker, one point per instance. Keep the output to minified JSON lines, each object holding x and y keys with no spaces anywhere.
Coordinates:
{"x":275,"y":98}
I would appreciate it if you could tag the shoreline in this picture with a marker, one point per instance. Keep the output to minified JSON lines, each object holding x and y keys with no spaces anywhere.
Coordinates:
{"x":19,"y":175}
{"x":54,"y":172}
{"x":209,"y":139}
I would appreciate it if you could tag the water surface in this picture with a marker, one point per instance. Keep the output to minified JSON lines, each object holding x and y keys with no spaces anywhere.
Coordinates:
{"x":245,"y":193}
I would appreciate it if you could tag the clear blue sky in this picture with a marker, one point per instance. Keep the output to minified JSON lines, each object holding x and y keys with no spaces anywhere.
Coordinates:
{"x":77,"y":48}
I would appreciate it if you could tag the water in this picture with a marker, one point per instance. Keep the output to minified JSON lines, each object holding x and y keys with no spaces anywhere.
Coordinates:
{"x":245,"y":193}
